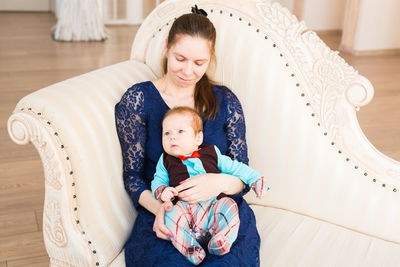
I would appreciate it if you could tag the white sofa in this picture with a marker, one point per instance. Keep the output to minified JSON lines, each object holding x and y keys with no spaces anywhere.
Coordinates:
{"x":334,"y":199}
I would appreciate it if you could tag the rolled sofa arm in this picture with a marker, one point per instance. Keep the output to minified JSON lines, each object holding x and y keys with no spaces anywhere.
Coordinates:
{"x":87,"y":215}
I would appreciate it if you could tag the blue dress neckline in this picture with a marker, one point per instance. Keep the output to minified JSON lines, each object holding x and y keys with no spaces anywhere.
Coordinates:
{"x":159,"y":95}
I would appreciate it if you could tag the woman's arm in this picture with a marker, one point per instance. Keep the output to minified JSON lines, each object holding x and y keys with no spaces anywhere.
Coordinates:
{"x":131,"y":128}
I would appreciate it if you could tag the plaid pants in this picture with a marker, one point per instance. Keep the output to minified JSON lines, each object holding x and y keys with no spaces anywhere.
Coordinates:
{"x":214,"y":223}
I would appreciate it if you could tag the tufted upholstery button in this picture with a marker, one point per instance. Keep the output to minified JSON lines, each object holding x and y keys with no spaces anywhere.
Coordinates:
{"x":75,"y":209}
{"x":394,"y":190}
{"x":356,"y":167}
{"x":374,"y":180}
{"x":365,"y":174}
{"x":383,"y":185}
{"x":97,"y":264}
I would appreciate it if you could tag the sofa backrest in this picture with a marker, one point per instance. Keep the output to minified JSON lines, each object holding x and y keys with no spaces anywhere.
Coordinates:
{"x":300,"y":101}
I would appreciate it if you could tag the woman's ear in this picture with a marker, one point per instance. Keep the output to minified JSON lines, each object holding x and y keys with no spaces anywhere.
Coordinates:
{"x":199,"y":138}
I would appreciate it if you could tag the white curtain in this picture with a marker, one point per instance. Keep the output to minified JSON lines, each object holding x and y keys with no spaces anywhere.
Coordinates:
{"x":79,"y":20}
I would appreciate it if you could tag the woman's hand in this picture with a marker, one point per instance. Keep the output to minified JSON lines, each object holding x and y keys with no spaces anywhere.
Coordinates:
{"x":207,"y":186}
{"x":159,"y":226}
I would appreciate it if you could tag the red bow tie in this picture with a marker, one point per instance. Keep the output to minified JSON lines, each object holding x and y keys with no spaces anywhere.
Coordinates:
{"x":194,"y":155}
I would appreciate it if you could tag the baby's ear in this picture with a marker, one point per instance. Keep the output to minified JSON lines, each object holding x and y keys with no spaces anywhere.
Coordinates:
{"x":199,"y":138}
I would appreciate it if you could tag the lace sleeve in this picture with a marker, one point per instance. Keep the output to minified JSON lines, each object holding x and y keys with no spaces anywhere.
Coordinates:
{"x":131,"y":129}
{"x":235,"y":129}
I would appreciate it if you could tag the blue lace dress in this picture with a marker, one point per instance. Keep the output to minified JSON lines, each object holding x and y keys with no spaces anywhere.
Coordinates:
{"x":138,"y":118}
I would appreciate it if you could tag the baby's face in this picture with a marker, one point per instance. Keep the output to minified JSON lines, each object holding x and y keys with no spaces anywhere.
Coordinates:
{"x":178,"y":136}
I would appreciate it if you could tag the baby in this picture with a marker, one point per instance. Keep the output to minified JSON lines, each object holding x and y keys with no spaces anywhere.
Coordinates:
{"x":215,"y":221}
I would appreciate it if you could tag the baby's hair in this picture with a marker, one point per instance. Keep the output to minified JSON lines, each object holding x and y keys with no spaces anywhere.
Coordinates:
{"x":197,"y":122}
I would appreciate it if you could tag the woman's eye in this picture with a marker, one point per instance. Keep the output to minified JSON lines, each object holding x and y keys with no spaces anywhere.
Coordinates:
{"x":180,"y":59}
{"x":199,"y":64}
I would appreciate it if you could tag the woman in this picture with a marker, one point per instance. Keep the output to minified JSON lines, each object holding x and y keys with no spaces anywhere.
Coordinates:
{"x":189,"y":51}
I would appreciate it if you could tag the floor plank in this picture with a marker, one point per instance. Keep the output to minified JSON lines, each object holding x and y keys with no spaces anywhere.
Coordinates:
{"x":22,"y":246}
{"x":41,"y":261}
{"x":17,"y":223}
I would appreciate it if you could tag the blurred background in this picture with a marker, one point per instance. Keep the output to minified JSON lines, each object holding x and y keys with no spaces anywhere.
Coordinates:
{"x":365,"y":32}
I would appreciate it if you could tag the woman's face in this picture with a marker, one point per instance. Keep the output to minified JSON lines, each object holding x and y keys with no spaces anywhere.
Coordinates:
{"x":188,"y":60}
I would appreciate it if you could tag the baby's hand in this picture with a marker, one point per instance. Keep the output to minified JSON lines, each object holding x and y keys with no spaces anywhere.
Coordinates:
{"x":259,"y":187}
{"x":168,"y":194}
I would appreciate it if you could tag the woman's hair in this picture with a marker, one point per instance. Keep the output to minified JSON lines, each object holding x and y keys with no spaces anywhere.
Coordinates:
{"x":197,"y":123}
{"x":196,"y":25}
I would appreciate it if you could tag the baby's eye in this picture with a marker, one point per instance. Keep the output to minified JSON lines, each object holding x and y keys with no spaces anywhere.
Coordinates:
{"x":180,"y":131}
{"x":166,"y":133}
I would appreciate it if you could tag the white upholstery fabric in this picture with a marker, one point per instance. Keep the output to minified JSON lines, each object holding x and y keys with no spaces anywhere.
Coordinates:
{"x":290,"y":239}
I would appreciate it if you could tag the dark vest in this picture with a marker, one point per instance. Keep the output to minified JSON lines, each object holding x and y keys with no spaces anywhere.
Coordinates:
{"x":177,"y":171}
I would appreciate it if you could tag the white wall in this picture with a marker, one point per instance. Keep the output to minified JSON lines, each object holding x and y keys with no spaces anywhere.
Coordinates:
{"x":324,"y":14}
{"x":378,"y":25}
{"x":24,"y":5}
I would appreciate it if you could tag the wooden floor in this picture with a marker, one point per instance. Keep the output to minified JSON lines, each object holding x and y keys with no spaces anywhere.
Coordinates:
{"x":30,"y":60}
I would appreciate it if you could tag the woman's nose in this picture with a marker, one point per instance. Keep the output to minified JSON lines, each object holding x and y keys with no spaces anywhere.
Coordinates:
{"x":188,"y":69}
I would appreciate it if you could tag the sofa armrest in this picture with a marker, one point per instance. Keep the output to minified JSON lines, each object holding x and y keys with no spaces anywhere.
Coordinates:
{"x":87,"y":214}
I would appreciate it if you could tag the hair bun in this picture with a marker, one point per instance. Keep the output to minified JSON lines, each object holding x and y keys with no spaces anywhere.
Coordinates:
{"x":200,"y":11}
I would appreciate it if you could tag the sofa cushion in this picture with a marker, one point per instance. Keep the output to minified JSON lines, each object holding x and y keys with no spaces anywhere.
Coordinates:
{"x":291,"y":239}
